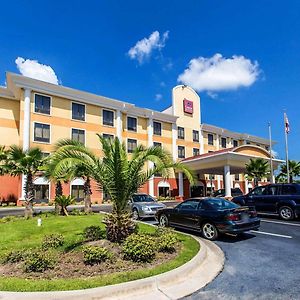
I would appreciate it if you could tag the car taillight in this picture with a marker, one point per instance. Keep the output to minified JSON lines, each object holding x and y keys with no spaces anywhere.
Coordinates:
{"x":233,"y":217}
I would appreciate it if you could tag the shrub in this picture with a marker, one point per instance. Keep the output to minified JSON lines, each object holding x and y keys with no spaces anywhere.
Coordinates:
{"x":39,"y":261}
{"x":14,"y":256}
{"x":52,"y":241}
{"x":166,"y":240}
{"x":93,"y":233}
{"x":64,"y":201}
{"x":95,"y":255}
{"x":139,"y":248}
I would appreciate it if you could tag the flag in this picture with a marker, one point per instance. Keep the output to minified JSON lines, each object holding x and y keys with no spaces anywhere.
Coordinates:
{"x":286,"y":123}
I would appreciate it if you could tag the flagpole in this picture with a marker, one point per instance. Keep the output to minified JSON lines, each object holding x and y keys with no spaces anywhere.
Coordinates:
{"x":270,"y":148}
{"x":286,"y":149}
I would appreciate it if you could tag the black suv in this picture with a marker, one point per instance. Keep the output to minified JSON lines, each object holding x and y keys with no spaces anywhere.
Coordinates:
{"x":282,"y":199}
{"x":234,"y":192}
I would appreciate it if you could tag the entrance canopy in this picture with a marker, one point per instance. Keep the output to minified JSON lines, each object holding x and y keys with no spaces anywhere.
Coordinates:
{"x":228,"y":161}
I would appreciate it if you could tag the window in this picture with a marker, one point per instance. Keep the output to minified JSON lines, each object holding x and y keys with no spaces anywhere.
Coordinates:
{"x":131,"y":123}
{"x":45,"y":154}
{"x":41,"y":193}
{"x":108,"y":117}
{"x":210,"y":138}
{"x":271,"y":190}
{"x":77,"y":192}
{"x":181,"y":152}
{"x":219,"y":204}
{"x":108,"y":136}
{"x":267,"y":148}
{"x":223,"y":142}
{"x":258,"y":191}
{"x":42,"y":104}
{"x":157,"y":144}
{"x":236,"y":177}
{"x":157,"y":128}
{"x":195,"y":135}
{"x":192,"y":204}
{"x":196,"y":151}
{"x":163,"y":191}
{"x":131,"y":145}
{"x":248,"y":143}
{"x":289,"y":190}
{"x":78,"y":135}
{"x":235,"y":143}
{"x":41,"y":133}
{"x":181,"y":133}
{"x":78,"y":112}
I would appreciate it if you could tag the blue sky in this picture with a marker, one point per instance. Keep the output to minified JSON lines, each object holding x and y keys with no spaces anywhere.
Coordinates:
{"x":245,"y":55}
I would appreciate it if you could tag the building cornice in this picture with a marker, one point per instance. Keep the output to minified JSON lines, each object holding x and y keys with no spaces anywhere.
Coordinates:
{"x":6,"y":93}
{"x":235,"y":135}
{"x":19,"y":81}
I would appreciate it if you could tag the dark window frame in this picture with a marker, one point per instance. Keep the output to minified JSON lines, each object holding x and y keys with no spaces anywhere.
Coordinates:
{"x":181,"y":149}
{"x":133,"y":141}
{"x":77,"y":115}
{"x":223,"y":145}
{"x":235,"y":143}
{"x":42,"y":139}
{"x":210,"y":139}
{"x":196,"y":136}
{"x":78,"y":133}
{"x":107,"y":122}
{"x":44,"y":111}
{"x":196,"y":150}
{"x":132,"y":128}
{"x":180,"y":133}
{"x":157,"y":128}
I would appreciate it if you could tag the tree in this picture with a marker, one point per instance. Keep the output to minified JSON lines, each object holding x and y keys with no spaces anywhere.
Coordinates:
{"x":76,"y":170}
{"x":63,"y":202}
{"x":294,"y":171}
{"x":3,"y":161}
{"x":256,"y":169}
{"x":121,"y":176}
{"x":26,"y":163}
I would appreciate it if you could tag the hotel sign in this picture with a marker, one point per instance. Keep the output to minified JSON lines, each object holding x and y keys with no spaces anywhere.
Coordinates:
{"x":188,"y":106}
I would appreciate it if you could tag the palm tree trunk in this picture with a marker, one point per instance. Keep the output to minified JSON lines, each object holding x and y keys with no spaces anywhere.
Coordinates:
{"x":255,"y":181}
{"x":87,"y":195}
{"x":29,"y":196}
{"x":58,"y":192}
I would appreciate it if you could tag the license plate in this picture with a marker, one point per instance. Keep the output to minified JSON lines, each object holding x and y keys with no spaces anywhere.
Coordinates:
{"x":245,"y":217}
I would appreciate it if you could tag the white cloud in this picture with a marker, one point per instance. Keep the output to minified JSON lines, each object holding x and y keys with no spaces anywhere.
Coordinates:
{"x":158,"y":97}
{"x":143,"y":48}
{"x":33,"y":69}
{"x":218,"y":73}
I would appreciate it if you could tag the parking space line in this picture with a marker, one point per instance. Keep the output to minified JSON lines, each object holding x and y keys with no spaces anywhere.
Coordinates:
{"x":278,"y":222}
{"x":272,"y":234}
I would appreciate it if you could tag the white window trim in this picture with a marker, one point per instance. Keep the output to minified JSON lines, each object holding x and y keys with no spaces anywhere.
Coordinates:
{"x":50,"y":134}
{"x":114,"y":118}
{"x":130,"y":116}
{"x":75,"y":102}
{"x":49,"y":188}
{"x":38,"y":113}
{"x":127,"y":144}
{"x":161,"y":128}
{"x":79,"y":129}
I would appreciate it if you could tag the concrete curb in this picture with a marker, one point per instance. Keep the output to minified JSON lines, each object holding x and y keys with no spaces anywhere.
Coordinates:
{"x":174,"y":284}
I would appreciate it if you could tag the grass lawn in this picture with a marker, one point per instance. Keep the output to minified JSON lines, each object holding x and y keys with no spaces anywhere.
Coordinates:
{"x":23,"y":234}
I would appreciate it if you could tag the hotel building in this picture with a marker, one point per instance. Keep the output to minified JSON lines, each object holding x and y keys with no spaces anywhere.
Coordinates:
{"x":34,"y":113}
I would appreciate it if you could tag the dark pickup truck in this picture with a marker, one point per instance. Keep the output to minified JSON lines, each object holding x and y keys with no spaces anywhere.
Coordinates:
{"x":282,"y":199}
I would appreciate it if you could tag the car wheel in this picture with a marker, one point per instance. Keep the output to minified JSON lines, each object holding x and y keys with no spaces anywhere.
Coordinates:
{"x":163,"y":221}
{"x":286,"y":213}
{"x":209,"y":231}
{"x":135,"y":214}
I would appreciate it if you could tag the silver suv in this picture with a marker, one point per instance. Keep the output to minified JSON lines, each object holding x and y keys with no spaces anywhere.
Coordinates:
{"x":144,"y":206}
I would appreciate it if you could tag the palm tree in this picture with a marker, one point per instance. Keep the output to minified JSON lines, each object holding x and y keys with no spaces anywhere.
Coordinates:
{"x":294,"y":171}
{"x":3,"y":160}
{"x":26,"y":162}
{"x":121,"y":176}
{"x":76,"y":170}
{"x":256,"y":169}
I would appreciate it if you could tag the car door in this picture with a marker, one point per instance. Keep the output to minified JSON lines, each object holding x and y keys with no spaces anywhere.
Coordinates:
{"x":185,"y":214}
{"x":256,"y":198}
{"x":270,"y":197}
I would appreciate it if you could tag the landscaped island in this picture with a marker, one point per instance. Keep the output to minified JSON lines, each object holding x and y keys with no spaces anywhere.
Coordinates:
{"x":68,"y":253}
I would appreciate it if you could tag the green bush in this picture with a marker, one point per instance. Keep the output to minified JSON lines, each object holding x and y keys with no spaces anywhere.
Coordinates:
{"x":95,"y":255}
{"x":139,"y":248}
{"x":14,"y":256}
{"x":53,"y":240}
{"x":93,"y":233}
{"x":166,"y":240}
{"x":39,"y":261}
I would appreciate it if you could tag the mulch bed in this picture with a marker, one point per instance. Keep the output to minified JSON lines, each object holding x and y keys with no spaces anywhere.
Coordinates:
{"x":71,"y":265}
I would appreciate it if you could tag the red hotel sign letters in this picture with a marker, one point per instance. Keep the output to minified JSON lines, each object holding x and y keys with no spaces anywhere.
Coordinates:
{"x":188,"y":106}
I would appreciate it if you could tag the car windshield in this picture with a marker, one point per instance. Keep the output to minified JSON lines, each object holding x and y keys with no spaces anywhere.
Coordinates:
{"x":220,"y":204}
{"x":142,"y":198}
